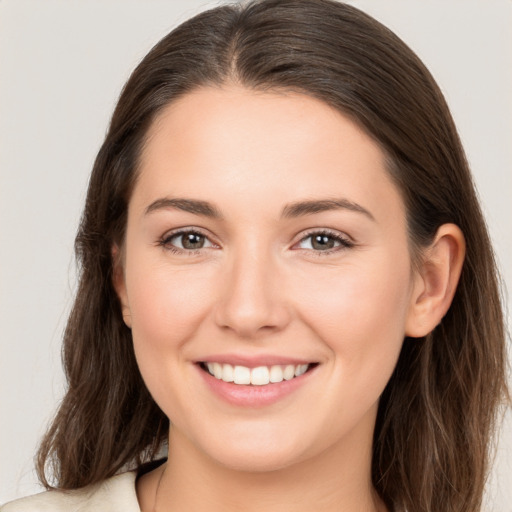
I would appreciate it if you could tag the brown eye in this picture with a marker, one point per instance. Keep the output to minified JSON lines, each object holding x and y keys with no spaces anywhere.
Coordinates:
{"x":192,"y":241}
{"x":322,"y":242}
{"x":187,"y":241}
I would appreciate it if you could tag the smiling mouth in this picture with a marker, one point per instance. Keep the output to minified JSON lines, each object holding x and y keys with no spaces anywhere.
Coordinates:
{"x":259,"y":376}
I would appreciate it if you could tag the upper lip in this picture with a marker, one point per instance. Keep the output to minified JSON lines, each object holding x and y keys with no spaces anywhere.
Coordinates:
{"x":253,"y":361}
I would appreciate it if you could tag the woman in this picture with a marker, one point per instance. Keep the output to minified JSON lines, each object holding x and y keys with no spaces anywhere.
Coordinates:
{"x":282,"y":257}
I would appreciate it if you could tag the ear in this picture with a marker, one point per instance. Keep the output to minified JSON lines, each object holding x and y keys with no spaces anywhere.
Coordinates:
{"x":119,"y":283}
{"x":436,"y":281}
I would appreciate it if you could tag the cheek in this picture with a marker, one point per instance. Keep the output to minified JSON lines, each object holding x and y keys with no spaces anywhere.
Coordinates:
{"x":359,"y":312}
{"x":166,"y":304}
{"x":357,"y":297}
{"x":167,"y":308}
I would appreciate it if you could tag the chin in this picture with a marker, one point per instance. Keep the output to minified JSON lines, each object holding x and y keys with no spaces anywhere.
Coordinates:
{"x":255,"y":461}
{"x":255,"y":453}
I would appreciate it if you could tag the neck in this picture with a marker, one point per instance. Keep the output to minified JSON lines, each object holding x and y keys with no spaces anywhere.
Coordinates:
{"x":193,"y":482}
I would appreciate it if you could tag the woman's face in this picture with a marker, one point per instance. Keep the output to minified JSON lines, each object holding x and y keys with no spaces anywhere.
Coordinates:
{"x":265,"y":238}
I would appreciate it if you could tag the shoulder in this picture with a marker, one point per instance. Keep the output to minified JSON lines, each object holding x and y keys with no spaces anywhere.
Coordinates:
{"x":115,"y":494}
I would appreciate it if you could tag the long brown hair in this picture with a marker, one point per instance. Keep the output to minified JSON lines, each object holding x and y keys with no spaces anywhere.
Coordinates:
{"x":438,"y":411}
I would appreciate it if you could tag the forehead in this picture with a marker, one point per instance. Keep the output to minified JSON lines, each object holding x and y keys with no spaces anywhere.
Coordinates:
{"x":281,"y":122}
{"x":232,"y":142}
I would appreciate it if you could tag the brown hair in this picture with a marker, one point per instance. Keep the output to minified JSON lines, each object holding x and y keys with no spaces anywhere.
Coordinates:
{"x":437,"y":413}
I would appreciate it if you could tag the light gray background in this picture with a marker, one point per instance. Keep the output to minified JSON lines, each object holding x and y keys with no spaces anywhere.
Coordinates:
{"x":62,"y":65}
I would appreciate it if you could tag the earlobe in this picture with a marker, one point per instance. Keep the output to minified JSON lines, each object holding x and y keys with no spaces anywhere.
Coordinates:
{"x":118,"y":281}
{"x":436,"y":281}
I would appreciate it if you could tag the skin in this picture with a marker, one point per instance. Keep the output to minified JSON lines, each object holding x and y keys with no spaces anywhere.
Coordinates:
{"x":258,"y":286}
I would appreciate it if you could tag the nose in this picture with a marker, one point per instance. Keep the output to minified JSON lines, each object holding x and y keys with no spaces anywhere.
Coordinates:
{"x":252,"y":301}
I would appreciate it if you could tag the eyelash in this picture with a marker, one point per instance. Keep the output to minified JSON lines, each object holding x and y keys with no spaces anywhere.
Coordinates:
{"x":344,"y":243}
{"x":165,"y":241}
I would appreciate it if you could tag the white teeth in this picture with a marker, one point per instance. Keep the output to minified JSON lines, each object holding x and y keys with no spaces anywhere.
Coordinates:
{"x":259,"y":376}
{"x":227,"y":373}
{"x":242,"y":375}
{"x":276,"y":374}
{"x":300,"y":369}
{"x":289,"y":372}
{"x":217,"y":370}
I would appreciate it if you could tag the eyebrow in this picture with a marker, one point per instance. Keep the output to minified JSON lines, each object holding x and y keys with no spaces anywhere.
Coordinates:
{"x":291,"y":210}
{"x":194,"y":206}
{"x":317,"y":206}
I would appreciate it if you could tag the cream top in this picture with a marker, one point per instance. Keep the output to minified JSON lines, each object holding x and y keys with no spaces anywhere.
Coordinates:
{"x":116,"y":494}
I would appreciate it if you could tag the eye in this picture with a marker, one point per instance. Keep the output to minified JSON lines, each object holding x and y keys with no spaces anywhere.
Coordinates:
{"x":186,"y":241}
{"x":324,"y":241}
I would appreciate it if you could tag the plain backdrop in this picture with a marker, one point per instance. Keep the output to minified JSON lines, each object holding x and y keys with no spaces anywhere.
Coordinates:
{"x":62,"y":65}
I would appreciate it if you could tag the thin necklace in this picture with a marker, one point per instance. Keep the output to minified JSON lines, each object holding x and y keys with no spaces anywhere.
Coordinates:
{"x":158,"y":488}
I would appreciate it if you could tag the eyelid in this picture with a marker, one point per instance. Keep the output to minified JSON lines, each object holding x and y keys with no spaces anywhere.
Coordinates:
{"x":346,"y":241}
{"x":326,"y":231}
{"x":164,"y":240}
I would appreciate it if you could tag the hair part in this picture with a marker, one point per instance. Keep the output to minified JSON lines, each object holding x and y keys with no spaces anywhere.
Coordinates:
{"x":438,"y":411}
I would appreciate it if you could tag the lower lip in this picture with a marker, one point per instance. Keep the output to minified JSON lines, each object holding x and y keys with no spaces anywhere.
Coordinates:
{"x":253,"y":396}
